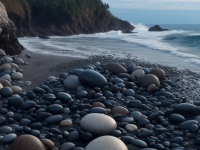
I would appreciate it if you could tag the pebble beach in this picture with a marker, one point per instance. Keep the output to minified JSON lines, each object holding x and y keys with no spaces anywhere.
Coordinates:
{"x":99,"y":103}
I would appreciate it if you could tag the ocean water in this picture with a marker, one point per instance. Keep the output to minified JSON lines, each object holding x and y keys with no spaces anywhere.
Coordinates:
{"x":178,"y":47}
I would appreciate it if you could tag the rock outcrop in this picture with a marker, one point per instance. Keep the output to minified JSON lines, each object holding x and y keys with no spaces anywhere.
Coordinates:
{"x":157,"y":28}
{"x":33,"y":22}
{"x":8,"y":40}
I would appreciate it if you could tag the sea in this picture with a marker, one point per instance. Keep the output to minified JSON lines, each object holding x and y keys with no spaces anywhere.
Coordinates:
{"x":178,"y":47}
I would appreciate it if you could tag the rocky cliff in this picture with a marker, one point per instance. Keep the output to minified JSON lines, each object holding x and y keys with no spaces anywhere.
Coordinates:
{"x":40,"y":22}
{"x":8,"y":40}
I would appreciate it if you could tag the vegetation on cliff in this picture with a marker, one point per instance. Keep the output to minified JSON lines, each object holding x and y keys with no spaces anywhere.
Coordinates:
{"x":60,"y":7}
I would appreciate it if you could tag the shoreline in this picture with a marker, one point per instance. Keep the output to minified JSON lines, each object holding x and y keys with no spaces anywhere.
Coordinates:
{"x":184,"y":85}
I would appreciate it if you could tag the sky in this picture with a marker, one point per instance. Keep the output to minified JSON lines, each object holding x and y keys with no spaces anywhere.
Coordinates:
{"x":156,"y":11}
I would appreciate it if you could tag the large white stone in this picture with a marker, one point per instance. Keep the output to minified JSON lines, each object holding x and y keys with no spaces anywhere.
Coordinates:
{"x":3,"y":14}
{"x":16,"y":76}
{"x":72,"y":82}
{"x":98,"y":124}
{"x":106,"y":143}
{"x":137,"y":74}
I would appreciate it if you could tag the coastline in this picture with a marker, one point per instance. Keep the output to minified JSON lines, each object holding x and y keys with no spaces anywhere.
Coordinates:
{"x":41,"y":66}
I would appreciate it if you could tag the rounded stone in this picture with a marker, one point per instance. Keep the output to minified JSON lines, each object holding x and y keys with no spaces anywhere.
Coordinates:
{"x":16,"y":89}
{"x":48,"y":143}
{"x":51,"y":78}
{"x":158,"y":73}
{"x":2,"y":120}
{"x":16,"y":76}
{"x":5,"y":129}
{"x":106,"y":143}
{"x":151,"y":88}
{"x":19,"y":61}
{"x":13,"y":65}
{"x":7,"y":59}
{"x":55,"y":109}
{"x":5,"y":83}
{"x":139,"y":143}
{"x":6,"y":76}
{"x":98,"y":104}
{"x":90,"y":78}
{"x":66,"y":122}
{"x":98,"y":124}
{"x":2,"y":53}
{"x":72,"y":82}
{"x":149,"y":79}
{"x":5,"y":67}
{"x":67,"y":146}
{"x":120,"y":110}
{"x":115,"y":68}
{"x":6,"y":92}
{"x":186,"y":108}
{"x":137,"y":74}
{"x":64,"y":97}
{"x":131,"y":127}
{"x":15,"y":100}
{"x":176,"y":118}
{"x":55,"y":119}
{"x":1,"y":86}
{"x":9,"y":138}
{"x":27,"y":142}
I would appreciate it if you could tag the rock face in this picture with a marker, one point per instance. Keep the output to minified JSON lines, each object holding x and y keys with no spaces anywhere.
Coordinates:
{"x":43,"y":23}
{"x":157,"y":28}
{"x":106,"y":143}
{"x":8,"y":40}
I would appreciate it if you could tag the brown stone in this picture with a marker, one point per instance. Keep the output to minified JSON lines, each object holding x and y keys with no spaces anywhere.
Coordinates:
{"x":66,"y":122}
{"x":48,"y":143}
{"x":151,"y":88}
{"x":137,"y":74}
{"x":13,"y":65}
{"x":115,"y":68}
{"x":158,"y":73}
{"x":120,"y":110}
{"x":16,"y":89}
{"x":5,"y":67}
{"x":149,"y":79}
{"x":6,"y":76}
{"x":98,"y":104}
{"x":140,"y":117}
{"x":5,"y":82}
{"x":67,"y":146}
{"x":27,"y":142}
{"x":108,"y":110}
{"x":131,"y":127}
{"x":149,"y":126}
{"x":91,"y":94}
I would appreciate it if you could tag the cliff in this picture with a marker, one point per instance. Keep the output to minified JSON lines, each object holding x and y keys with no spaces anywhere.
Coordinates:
{"x":8,"y":40}
{"x":65,"y":17}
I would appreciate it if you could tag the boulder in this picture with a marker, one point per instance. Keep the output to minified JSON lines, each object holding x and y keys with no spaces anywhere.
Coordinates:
{"x":158,"y":73}
{"x":106,"y":143}
{"x":149,"y":79}
{"x":90,"y":78}
{"x":16,"y":89}
{"x":98,"y":124}
{"x":16,"y":76}
{"x":25,"y":142}
{"x":72,"y":82}
{"x":19,"y":61}
{"x":137,"y":74}
{"x":115,"y":68}
{"x":156,"y":28}
{"x":5,"y":67}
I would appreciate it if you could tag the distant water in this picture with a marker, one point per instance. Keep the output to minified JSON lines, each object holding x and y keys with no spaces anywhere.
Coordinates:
{"x":178,"y":47}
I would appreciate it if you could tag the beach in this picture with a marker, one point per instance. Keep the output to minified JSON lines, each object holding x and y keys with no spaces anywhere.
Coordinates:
{"x":181,"y":86}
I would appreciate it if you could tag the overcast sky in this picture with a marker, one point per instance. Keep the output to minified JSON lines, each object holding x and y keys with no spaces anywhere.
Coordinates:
{"x":157,"y":11}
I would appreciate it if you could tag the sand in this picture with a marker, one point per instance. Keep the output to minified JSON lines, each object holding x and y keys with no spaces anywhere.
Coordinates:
{"x":39,"y":66}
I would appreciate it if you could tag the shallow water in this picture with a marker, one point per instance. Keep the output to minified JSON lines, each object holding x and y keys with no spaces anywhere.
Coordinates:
{"x":178,"y":47}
